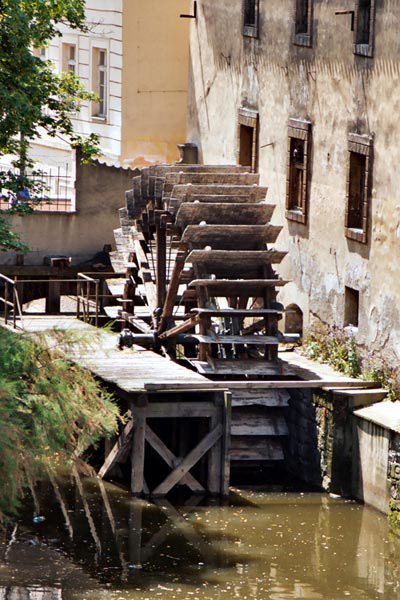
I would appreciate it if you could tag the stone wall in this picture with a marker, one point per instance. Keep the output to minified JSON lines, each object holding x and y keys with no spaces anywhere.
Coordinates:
{"x":100,"y":192}
{"x":321,"y":440}
{"x":394,"y":483}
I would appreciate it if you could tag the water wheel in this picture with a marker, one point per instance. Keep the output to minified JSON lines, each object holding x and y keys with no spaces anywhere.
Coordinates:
{"x":197,"y":245}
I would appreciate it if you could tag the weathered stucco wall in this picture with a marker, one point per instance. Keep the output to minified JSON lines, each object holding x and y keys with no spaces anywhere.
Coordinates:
{"x":339,"y":93}
{"x":154,"y":80}
{"x":100,"y":192}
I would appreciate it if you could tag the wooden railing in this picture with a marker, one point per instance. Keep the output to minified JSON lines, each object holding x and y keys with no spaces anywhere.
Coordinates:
{"x":10,"y":300}
{"x":86,"y":299}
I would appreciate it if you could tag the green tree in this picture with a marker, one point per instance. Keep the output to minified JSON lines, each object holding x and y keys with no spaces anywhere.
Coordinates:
{"x":50,"y":411}
{"x":33,"y":98}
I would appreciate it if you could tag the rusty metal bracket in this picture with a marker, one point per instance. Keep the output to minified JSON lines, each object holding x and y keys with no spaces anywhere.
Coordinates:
{"x":348,"y":12}
{"x":194,"y":15}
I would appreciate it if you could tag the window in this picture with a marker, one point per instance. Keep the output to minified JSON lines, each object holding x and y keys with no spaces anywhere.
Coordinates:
{"x":69,"y":58}
{"x":40,"y":52}
{"x":356,"y":222}
{"x":298,"y":170}
{"x":303,"y":23}
{"x":250,"y":17}
{"x":364,"y":28}
{"x":351,"y":307}
{"x":99,"y":81}
{"x":248,"y":139}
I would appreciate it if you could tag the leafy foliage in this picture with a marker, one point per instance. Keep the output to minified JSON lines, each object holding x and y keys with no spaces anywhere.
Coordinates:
{"x":48,"y":409}
{"x":33,"y":98}
{"x":335,"y":346}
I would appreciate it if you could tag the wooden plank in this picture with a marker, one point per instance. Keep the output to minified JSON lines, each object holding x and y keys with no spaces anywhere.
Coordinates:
{"x":244,"y":449}
{"x":175,"y":410}
{"x":181,"y":328}
{"x":119,"y":449}
{"x":230,"y":237}
{"x":241,"y":367}
{"x":237,"y":287}
{"x":269,"y":398}
{"x":183,"y":190}
{"x":268,"y":385}
{"x":158,"y":445}
{"x":138,"y":450}
{"x":189,"y":461}
{"x":231,"y":312}
{"x":253,"y":422}
{"x":235,"y":262}
{"x":212,"y":178}
{"x":255,"y":340}
{"x":231,"y":199}
{"x":222,"y":214}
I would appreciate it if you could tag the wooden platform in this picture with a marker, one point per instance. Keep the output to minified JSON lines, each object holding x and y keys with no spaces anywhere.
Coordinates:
{"x":130,"y":370}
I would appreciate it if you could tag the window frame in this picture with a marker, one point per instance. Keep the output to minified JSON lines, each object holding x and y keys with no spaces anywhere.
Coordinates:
{"x":366,"y":50}
{"x":304,"y":39}
{"x":249,"y":29}
{"x":249,"y":118}
{"x":66,"y":60}
{"x":96,"y":69}
{"x":300,"y":130}
{"x":359,"y":144}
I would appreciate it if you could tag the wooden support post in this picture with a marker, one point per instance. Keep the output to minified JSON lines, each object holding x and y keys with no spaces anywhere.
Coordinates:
{"x":173,"y":288}
{"x":119,"y":449}
{"x":161,"y":276}
{"x":205,"y":323}
{"x":215,"y":455}
{"x":226,"y":444}
{"x":138,"y":449}
{"x":53,"y":298}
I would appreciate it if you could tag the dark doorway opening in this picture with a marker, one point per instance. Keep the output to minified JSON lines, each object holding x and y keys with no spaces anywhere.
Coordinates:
{"x":351,"y":307}
{"x":246,"y":146}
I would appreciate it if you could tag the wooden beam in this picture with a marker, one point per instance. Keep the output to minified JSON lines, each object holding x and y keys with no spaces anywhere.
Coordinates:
{"x":189,"y":461}
{"x":181,"y":328}
{"x":158,"y":445}
{"x":118,"y":450}
{"x":259,"y":385}
{"x":173,"y":287}
{"x":176,"y":410}
{"x":190,"y":213}
{"x":161,"y":266}
{"x":138,"y":447}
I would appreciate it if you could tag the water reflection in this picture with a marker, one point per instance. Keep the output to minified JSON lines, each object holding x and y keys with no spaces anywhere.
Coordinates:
{"x":97,"y":542}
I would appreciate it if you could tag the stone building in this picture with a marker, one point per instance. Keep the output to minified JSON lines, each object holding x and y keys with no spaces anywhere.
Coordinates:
{"x":307,"y":93}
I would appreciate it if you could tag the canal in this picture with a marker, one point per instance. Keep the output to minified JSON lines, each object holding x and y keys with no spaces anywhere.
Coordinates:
{"x":93,"y":541}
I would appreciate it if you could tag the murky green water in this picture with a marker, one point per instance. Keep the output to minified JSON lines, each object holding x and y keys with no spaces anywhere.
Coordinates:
{"x":97,"y":542}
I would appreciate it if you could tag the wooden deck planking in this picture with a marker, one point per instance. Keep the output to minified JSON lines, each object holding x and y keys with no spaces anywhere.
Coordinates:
{"x":130,"y":370}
